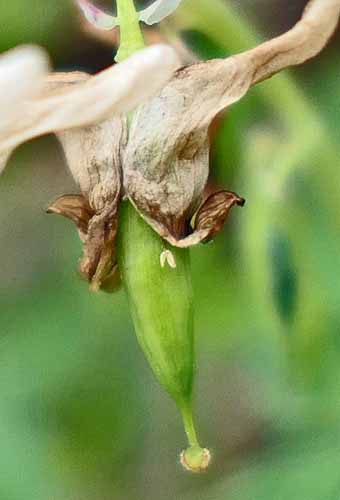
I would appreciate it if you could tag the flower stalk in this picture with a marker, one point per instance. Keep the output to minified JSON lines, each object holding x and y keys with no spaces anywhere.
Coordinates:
{"x":160,"y":296}
{"x":131,"y":36}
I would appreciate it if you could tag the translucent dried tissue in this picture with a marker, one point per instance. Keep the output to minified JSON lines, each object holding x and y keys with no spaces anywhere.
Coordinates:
{"x":155,"y":13}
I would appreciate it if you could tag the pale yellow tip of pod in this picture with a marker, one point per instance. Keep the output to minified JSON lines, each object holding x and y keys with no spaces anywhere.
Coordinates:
{"x":196,"y":459}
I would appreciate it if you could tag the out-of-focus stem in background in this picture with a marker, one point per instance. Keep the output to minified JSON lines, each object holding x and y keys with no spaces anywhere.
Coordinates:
{"x":270,"y":158}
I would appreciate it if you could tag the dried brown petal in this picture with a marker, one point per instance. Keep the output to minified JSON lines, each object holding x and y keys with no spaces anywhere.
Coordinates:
{"x":209,"y":219}
{"x":93,"y":154}
{"x":74,"y":207}
{"x":99,"y":260}
{"x":166,"y":163}
{"x":98,"y":233}
{"x":213,"y":214}
{"x":94,"y":157}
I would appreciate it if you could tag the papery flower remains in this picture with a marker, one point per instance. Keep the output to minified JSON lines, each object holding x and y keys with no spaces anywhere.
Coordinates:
{"x":162,"y":163}
{"x":84,"y":113}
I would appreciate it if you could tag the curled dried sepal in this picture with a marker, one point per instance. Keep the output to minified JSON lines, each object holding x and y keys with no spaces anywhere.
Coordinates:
{"x":213,"y":214}
{"x":74,"y":207}
{"x":98,"y":264}
{"x":98,"y":233}
{"x":209,"y":219}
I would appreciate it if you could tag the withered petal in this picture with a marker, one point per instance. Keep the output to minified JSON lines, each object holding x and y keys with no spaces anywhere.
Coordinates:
{"x":209,"y":219}
{"x":213,"y":214}
{"x":74,"y":207}
{"x":98,"y":233}
{"x":93,"y":155}
{"x":166,"y":162}
{"x":99,"y":253}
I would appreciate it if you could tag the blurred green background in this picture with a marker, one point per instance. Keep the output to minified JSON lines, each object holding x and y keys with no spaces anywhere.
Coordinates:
{"x":81,"y":416}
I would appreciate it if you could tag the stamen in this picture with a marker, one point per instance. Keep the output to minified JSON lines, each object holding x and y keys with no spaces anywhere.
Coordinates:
{"x":167,"y":257}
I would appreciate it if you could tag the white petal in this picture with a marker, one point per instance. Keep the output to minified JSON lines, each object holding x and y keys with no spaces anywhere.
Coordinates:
{"x":22,"y":72}
{"x":158,"y":11}
{"x":96,"y":16}
{"x":116,"y":90}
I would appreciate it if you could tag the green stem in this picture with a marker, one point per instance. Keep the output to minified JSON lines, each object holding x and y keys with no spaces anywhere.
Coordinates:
{"x":189,"y":425}
{"x":131,"y":37}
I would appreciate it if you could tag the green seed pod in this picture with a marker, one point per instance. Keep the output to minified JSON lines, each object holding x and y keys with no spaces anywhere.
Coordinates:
{"x":161,"y":305}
